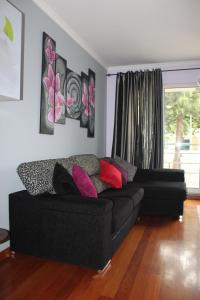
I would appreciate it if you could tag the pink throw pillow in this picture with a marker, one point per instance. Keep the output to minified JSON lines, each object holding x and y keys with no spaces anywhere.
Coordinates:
{"x":83,"y":182}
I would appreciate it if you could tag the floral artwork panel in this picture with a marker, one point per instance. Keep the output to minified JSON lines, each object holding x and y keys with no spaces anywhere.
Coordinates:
{"x":91,"y":115}
{"x":48,"y":85}
{"x":73,"y":95}
{"x":60,"y":82}
{"x":11,"y":51}
{"x":84,"y":101}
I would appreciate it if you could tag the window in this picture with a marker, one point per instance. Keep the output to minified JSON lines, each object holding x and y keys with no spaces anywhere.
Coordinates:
{"x":182,"y":133}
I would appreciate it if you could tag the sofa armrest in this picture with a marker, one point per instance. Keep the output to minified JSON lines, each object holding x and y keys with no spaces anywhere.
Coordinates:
{"x":77,"y":204}
{"x":74,"y":229}
{"x":69,"y":203}
{"x":143,"y":175}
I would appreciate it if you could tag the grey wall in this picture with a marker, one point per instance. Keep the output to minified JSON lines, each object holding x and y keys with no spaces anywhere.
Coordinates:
{"x":19,"y":120}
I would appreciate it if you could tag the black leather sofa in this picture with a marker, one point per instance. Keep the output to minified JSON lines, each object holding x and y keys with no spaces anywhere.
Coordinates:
{"x":87,"y":231}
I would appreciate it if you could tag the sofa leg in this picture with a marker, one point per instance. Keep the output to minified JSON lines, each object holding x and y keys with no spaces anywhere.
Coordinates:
{"x":180,"y":218}
{"x":12,"y":254}
{"x":106,"y":268}
{"x":101,"y":273}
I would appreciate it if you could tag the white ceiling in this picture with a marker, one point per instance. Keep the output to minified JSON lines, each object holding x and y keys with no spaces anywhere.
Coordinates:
{"x":127,"y":32}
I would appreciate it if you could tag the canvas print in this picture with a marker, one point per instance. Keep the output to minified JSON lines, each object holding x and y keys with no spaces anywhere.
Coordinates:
{"x":48,"y":85}
{"x":84,"y":101}
{"x":91,"y":115}
{"x":11,"y":51}
{"x":61,"y":77}
{"x":73,"y":95}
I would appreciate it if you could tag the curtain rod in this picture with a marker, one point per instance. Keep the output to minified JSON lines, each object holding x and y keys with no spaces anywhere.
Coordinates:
{"x":173,"y":70}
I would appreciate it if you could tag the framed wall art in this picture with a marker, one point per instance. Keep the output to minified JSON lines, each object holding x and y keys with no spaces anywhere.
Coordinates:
{"x":73,"y":92}
{"x":47,"y":113}
{"x":60,"y":82}
{"x":64,"y":93}
{"x":91,"y":115}
{"x":84,"y":101}
{"x":11,"y":51}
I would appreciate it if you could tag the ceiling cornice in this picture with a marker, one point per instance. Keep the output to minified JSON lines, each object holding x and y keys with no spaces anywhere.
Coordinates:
{"x":58,"y":20}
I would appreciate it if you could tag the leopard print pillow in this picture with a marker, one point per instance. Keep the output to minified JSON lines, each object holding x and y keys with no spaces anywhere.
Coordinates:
{"x":37,"y":175}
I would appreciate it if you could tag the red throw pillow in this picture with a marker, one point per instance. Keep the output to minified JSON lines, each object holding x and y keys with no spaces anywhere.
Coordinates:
{"x":110,"y":174}
{"x":83,"y":182}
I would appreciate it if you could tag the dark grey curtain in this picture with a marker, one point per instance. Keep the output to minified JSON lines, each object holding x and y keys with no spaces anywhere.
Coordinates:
{"x":138,"y":125}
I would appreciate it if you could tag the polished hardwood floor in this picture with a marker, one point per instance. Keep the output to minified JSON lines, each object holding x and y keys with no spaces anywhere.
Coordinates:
{"x":159,"y":259}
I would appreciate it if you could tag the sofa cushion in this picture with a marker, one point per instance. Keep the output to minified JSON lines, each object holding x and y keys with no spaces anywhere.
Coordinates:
{"x":131,"y":169}
{"x":165,"y":190}
{"x":110,"y":174}
{"x":63,"y":182}
{"x":99,"y":184}
{"x":173,"y":175}
{"x":37,"y":175}
{"x":122,"y":209}
{"x":88,"y":162}
{"x":123,"y":171}
{"x":83,"y":182}
{"x":134,"y":193}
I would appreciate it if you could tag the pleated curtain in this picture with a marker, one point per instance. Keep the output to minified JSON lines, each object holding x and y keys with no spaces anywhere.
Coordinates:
{"x":138,"y":125}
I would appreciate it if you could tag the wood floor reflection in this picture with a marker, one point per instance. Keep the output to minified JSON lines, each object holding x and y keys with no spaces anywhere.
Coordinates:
{"x":159,"y":259}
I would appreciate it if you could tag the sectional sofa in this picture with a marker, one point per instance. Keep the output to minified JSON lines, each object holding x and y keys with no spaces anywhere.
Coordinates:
{"x":82,"y":230}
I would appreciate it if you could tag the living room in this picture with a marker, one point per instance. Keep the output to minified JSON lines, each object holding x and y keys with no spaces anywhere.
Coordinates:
{"x":155,"y":257}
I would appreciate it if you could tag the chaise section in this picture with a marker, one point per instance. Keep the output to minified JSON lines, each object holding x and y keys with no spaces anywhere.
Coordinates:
{"x":164,"y":191}
{"x":175,"y":175}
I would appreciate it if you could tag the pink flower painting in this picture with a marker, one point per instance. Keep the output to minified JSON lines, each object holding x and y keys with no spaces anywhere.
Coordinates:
{"x":56,"y":100}
{"x":92,"y":92}
{"x":50,"y":53}
{"x":91,"y":117}
{"x":69,"y":101}
{"x":48,"y":85}
{"x":60,"y":82}
{"x":85,"y":99}
{"x":59,"y":99}
{"x":73,"y":102}
{"x":64,"y":93}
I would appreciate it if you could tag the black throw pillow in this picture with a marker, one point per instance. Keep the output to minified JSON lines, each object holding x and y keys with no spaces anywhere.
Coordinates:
{"x":63,"y":182}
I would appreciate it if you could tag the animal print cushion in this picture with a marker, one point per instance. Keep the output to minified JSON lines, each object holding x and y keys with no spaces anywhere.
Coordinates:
{"x":37,"y":175}
{"x":88,"y":162}
{"x":100,"y":185}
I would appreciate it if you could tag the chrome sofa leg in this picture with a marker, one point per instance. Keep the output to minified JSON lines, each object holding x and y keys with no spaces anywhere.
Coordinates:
{"x":102,"y":272}
{"x":106,"y":268}
{"x":12,"y":254}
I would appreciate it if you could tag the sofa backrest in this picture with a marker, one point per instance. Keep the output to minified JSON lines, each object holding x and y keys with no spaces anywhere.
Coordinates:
{"x":37,"y":175}
{"x":89,"y":162}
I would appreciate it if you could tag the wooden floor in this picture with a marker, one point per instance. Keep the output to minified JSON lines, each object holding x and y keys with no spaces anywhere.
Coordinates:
{"x":159,"y":259}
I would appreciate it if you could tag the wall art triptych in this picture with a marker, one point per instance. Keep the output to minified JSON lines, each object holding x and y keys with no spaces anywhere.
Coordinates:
{"x":64,"y":93}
